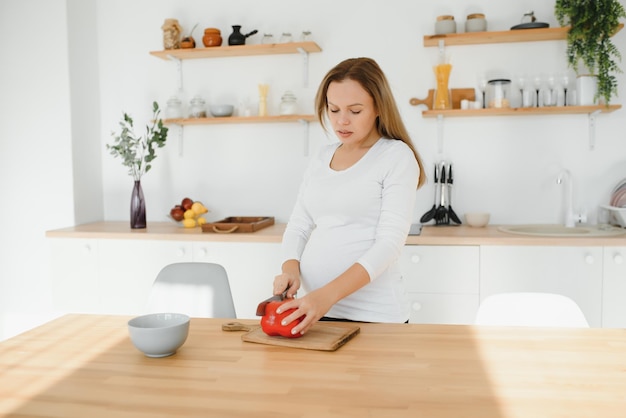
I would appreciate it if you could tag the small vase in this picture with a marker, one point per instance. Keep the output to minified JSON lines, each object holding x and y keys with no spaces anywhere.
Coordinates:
{"x":137,"y":207}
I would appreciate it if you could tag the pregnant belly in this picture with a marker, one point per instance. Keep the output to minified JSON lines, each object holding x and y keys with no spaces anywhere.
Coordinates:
{"x":330,"y":253}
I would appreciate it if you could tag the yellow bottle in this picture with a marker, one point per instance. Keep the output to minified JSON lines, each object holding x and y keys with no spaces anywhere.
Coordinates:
{"x":442,"y":93}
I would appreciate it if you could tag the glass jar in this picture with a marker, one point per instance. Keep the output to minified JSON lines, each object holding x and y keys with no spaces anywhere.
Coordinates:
{"x":306,"y":36}
{"x":268,"y":38}
{"x":198,"y":107}
{"x":288,"y":104}
{"x":285,"y":38}
{"x":174,"y":109}
{"x":442,"y":99}
{"x":498,"y":93}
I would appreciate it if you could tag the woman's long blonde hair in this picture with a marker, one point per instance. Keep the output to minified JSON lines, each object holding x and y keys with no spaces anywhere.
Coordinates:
{"x":369,"y":75}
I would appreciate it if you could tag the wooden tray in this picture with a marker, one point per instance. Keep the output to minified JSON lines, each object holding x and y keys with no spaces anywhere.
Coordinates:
{"x":239,"y":224}
{"x":321,"y":337}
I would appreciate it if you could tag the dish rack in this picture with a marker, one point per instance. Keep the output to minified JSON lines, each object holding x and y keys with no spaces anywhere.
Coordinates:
{"x":617,"y":216}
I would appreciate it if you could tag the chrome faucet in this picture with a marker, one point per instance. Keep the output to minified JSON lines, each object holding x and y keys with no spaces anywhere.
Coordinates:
{"x":571,"y":219}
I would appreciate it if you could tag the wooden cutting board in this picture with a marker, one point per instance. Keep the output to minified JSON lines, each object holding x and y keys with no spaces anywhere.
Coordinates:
{"x":321,"y":336}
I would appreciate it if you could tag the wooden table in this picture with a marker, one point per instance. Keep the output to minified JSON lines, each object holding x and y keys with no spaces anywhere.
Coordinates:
{"x":85,"y":366}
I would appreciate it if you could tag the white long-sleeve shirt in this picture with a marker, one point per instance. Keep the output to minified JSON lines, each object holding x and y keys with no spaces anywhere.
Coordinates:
{"x":358,"y":215}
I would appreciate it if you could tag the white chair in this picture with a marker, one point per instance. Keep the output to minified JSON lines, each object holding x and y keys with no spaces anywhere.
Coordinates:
{"x":530,"y":309}
{"x":195,"y":289}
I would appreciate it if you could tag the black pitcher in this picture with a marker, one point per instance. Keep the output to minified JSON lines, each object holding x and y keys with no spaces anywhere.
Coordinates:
{"x":238,"y":38}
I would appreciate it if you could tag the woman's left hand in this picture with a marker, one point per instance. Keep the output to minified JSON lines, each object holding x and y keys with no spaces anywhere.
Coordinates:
{"x":312,"y":306}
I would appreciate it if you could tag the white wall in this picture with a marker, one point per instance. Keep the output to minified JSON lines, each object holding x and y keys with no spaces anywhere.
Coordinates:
{"x":70,"y":68}
{"x":505,"y":165}
{"x":35,"y":153}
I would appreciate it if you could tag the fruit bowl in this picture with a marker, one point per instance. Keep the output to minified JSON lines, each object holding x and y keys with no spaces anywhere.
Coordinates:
{"x":188,"y":213}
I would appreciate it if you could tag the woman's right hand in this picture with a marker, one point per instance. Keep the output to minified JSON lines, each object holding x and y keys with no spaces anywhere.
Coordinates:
{"x":288,"y":280}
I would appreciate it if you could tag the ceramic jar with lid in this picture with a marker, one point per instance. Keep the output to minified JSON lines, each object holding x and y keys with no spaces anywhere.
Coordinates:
{"x":476,"y":22}
{"x":445,"y":24}
{"x":198,"y":107}
{"x":498,"y":93}
{"x":288,"y":104}
{"x":212,"y":37}
{"x":174,"y":109}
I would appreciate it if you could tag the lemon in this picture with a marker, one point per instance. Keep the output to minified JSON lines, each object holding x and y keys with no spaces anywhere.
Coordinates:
{"x":201,"y":221}
{"x":189,"y":223}
{"x":199,"y":208}
{"x":190,"y":214}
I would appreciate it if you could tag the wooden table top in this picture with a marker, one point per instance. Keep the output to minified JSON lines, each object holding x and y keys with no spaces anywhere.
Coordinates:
{"x":85,"y":366}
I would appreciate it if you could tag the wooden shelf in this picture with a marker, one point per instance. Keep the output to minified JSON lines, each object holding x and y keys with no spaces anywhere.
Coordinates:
{"x":237,"y":51}
{"x":522,"y":111}
{"x":496,"y":37}
{"x":241,"y":119}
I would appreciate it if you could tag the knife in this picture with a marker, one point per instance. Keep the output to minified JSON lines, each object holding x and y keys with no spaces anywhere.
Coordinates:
{"x":260,"y":310}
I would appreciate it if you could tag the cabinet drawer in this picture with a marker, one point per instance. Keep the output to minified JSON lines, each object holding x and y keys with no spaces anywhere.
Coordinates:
{"x":433,"y":308}
{"x":441,"y":269}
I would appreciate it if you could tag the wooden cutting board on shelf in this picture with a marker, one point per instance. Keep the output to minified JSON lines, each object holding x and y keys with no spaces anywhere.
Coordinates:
{"x":457,"y":96}
{"x":321,"y":336}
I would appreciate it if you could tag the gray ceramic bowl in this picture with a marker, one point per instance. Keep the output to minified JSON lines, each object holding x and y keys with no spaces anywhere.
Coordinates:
{"x":159,"y":334}
{"x":220,"y":111}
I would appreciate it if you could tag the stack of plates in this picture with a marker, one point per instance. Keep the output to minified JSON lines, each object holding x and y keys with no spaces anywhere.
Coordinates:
{"x":617,"y":207}
{"x":618,"y":196}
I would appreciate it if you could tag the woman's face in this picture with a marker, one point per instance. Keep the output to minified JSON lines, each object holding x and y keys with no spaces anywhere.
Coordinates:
{"x":352,"y":113}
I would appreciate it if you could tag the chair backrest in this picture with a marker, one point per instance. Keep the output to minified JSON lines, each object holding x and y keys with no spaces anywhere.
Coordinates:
{"x":530,"y":309}
{"x":196,"y":289}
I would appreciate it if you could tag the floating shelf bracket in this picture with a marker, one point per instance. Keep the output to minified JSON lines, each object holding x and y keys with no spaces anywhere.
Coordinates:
{"x":179,"y":70}
{"x":592,"y":129}
{"x":305,"y":66}
{"x":305,"y":137}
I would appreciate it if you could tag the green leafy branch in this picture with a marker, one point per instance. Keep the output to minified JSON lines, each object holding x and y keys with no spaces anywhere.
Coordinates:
{"x":592,"y":23}
{"x":137,"y":152}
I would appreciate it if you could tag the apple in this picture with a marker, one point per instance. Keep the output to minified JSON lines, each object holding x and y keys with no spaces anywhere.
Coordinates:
{"x":177,"y":213}
{"x":186,"y":203}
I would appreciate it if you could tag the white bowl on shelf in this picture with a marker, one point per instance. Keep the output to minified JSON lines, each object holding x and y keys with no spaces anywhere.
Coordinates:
{"x":617,"y":215}
{"x":477,"y":219}
{"x":221,"y":110}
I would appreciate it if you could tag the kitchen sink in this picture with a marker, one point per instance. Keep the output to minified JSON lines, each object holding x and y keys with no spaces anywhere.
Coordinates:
{"x":555,"y":230}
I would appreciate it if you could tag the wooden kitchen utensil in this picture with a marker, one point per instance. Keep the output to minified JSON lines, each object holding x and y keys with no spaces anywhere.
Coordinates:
{"x":321,"y":336}
{"x":457,"y":96}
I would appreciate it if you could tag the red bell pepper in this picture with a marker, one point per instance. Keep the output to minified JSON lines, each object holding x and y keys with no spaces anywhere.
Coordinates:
{"x":271,"y":321}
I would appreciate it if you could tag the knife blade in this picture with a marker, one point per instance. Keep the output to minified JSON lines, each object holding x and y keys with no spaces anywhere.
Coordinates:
{"x":260,"y":310}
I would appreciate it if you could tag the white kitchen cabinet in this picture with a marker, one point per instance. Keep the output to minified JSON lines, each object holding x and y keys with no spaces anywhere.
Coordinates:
{"x":251,"y":269}
{"x":74,"y":268}
{"x":128,"y":269}
{"x":574,"y":271}
{"x":442,"y":282}
{"x":115,"y":276}
{"x":614,"y":288}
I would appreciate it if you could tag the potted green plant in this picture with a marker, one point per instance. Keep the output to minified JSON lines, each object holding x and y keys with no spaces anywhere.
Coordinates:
{"x":592,"y":23}
{"x":137,"y":153}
